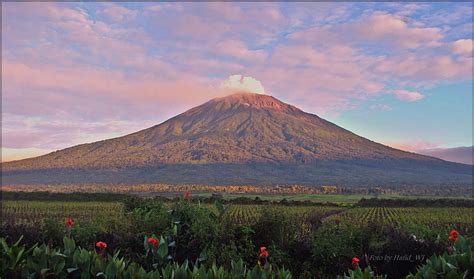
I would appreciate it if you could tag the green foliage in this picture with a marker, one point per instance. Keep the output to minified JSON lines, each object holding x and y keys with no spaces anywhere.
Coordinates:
{"x":457,"y":264}
{"x":74,"y":262}
{"x":46,"y":262}
{"x":334,"y":246}
{"x":13,"y":257}
{"x":149,"y":219}
{"x":359,"y":273}
{"x":311,"y":241}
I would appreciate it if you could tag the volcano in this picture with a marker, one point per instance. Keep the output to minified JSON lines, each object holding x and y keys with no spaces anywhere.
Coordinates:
{"x":243,"y":138}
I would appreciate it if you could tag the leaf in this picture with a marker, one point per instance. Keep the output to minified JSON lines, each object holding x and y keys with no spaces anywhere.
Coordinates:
{"x":71,"y":269}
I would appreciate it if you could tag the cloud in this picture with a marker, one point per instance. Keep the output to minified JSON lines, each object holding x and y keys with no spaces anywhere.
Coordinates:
{"x":463,"y":47}
{"x":108,"y":92}
{"x":238,"y":49}
{"x":118,"y":14}
{"x":407,"y":8}
{"x":148,"y":63}
{"x":163,"y":6}
{"x":19,"y":132}
{"x":391,"y":30}
{"x":395,"y":30}
{"x":413,"y":145}
{"x":408,"y":96}
{"x":463,"y":154}
{"x":424,"y":70}
{"x":239,"y":83}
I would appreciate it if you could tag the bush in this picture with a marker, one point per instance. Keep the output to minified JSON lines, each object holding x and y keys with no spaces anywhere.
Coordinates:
{"x":334,"y":245}
{"x":43,"y":261}
{"x":458,"y":263}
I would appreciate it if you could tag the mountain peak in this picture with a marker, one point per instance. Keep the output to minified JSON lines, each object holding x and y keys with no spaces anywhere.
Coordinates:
{"x":253,"y":100}
{"x":241,"y":138}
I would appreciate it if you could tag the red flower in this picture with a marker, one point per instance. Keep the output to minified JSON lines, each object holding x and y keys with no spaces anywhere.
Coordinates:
{"x":186,"y":195}
{"x":101,"y":245}
{"x":69,"y":222}
{"x":454,"y":235}
{"x":153,"y":241}
{"x":355,"y":262}
{"x":263,"y":252}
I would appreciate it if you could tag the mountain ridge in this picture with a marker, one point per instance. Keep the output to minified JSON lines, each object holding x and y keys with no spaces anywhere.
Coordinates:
{"x":243,"y":107}
{"x":240,"y":130}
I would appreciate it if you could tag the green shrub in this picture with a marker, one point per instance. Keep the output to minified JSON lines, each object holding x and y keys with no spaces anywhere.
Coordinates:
{"x":359,"y":273}
{"x":71,"y":261}
{"x":334,"y":246}
{"x":459,"y":263}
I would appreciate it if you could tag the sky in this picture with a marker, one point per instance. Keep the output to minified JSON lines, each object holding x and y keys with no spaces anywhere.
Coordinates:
{"x":396,"y":73}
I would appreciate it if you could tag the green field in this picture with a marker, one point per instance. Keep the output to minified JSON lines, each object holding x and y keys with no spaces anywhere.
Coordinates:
{"x":310,"y":239}
{"x":435,"y":218}
{"x":343,"y":199}
{"x":30,"y":212}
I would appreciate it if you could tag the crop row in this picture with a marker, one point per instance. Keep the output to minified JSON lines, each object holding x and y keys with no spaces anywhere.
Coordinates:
{"x":429,"y":217}
{"x":29,"y":212}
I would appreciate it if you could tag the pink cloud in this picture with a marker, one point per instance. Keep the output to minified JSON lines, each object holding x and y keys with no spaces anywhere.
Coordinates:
{"x":56,"y":56}
{"x":160,"y":7}
{"x":395,"y":30}
{"x":428,"y":70}
{"x":239,"y":50}
{"x":376,"y":27}
{"x":463,"y":47}
{"x":66,"y":87}
{"x":413,"y":145}
{"x":408,"y":96}
{"x":330,"y":78}
{"x":462,"y":154}
{"x":407,"y":8}
{"x":117,"y":13}
{"x":36,"y":132}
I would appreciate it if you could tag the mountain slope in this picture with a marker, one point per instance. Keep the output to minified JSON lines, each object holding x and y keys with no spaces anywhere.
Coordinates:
{"x":239,"y":130}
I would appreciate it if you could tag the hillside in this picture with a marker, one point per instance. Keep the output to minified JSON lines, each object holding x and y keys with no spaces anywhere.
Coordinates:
{"x":241,"y":138}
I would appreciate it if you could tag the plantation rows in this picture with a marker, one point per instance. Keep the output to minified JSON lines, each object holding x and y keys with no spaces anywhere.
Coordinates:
{"x":312,"y":241}
{"x":29,"y":212}
{"x":430,"y":217}
{"x":249,"y":214}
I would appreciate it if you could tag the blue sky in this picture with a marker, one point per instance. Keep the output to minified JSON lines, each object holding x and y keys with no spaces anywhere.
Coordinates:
{"x":397,"y":73}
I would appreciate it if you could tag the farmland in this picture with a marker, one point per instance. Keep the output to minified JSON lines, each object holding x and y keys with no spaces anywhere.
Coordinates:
{"x":436,"y":218}
{"x":31,"y":212}
{"x":308,"y":238}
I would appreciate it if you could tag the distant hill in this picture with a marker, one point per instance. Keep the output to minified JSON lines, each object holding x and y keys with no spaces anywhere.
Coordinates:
{"x":239,"y":139}
{"x":463,"y":154}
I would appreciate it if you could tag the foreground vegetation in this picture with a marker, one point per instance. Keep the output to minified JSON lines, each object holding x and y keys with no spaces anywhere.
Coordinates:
{"x":70,"y":261}
{"x":42,"y":261}
{"x":310,"y":240}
